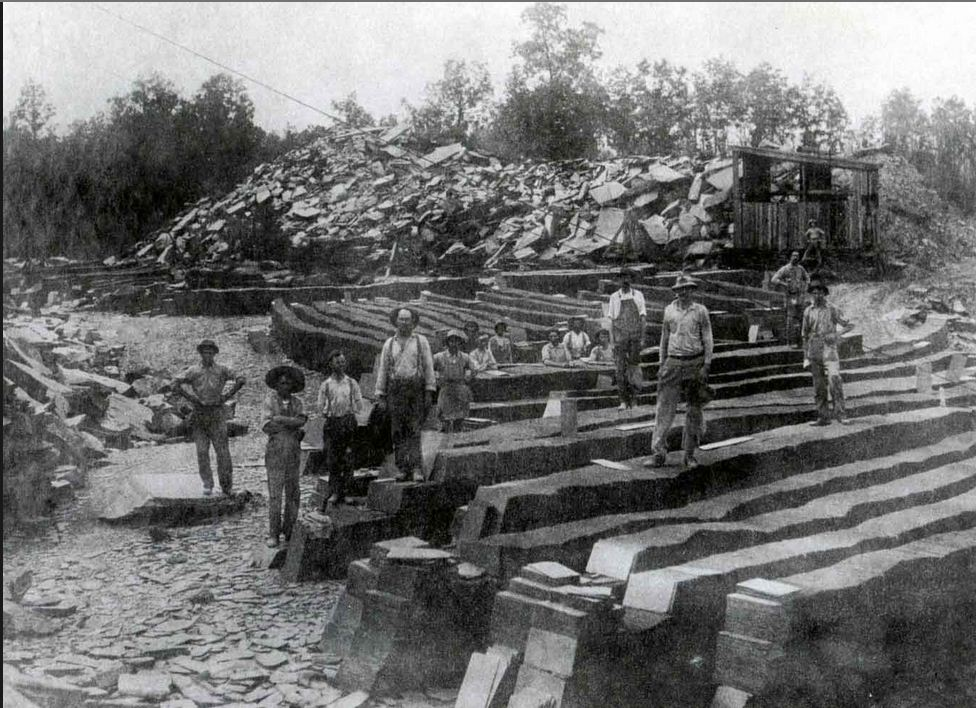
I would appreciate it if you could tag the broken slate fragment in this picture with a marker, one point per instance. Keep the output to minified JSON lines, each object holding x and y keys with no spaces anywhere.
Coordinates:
{"x":147,"y":684}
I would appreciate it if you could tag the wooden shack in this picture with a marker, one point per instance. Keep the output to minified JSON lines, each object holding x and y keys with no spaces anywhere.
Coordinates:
{"x":776,"y":193}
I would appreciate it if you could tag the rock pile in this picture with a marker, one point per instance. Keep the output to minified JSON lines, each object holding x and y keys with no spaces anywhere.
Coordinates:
{"x":66,"y":399}
{"x":353,"y":204}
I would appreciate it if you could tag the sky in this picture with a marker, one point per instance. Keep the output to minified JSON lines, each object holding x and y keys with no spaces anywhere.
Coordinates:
{"x":386,"y":52}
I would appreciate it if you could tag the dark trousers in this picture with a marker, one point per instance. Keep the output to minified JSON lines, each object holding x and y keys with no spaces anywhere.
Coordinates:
{"x":794,"y":320}
{"x":408,"y":411}
{"x":209,"y":427}
{"x":282,"y":458}
{"x":337,"y":437}
{"x":627,"y":358}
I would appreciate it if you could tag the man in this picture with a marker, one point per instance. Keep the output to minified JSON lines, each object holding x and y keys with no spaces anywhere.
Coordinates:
{"x":406,"y":381}
{"x":203,"y":387}
{"x":686,"y":357}
{"x":820,"y":338}
{"x":813,"y":255}
{"x":576,"y":341}
{"x":339,"y":401}
{"x":794,"y":280}
{"x":628,"y":317}
{"x":472,"y":330}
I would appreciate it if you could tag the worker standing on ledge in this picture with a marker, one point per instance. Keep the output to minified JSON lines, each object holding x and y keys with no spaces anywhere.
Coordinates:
{"x":203,"y":387}
{"x":794,"y":280}
{"x":686,"y":357}
{"x":628,"y":317}
{"x":406,"y":382}
{"x":820,"y":341}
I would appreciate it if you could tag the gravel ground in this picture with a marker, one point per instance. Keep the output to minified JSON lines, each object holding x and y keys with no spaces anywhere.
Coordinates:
{"x":132,"y":596}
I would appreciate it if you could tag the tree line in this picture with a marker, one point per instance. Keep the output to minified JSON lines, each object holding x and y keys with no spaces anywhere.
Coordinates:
{"x":111,"y":179}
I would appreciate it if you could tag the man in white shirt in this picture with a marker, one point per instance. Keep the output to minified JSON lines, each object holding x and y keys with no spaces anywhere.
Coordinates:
{"x":686,"y":357}
{"x":628,"y":317}
{"x":406,"y":381}
{"x":576,"y":341}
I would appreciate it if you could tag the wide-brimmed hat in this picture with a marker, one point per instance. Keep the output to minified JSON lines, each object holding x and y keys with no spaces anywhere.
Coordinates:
{"x":627,"y":273}
{"x":471,"y":324}
{"x":579,"y":317}
{"x":818,"y":285}
{"x":208,"y":344}
{"x":455,"y":334}
{"x":332,"y":355}
{"x":684,"y":282}
{"x":296,"y":375}
{"x":397,"y":310}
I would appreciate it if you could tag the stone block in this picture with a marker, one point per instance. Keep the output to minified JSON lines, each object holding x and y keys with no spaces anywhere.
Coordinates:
{"x":345,"y":619}
{"x":541,"y":683}
{"x":488,"y":681}
{"x":379,"y":550}
{"x":361,"y":577}
{"x":549,"y":573}
{"x":553,"y":653}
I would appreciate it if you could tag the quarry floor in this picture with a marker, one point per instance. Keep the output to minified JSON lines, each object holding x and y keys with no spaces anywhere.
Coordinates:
{"x":123,"y":583}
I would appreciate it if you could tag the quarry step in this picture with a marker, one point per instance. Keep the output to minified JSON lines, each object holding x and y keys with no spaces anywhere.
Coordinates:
{"x":682,"y":543}
{"x":771,"y":644}
{"x":595,"y":490}
{"x":696,"y":591}
{"x":572,"y":543}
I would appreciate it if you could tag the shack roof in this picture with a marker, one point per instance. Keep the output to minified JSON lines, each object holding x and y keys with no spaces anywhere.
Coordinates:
{"x":844,"y":163}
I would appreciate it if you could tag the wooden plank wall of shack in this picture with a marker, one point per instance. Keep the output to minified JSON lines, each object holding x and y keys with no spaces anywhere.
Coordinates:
{"x":847,"y":216}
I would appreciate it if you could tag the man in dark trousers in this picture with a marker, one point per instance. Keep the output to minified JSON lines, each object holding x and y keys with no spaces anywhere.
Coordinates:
{"x":793,"y":280}
{"x":628,"y":317}
{"x":686,"y":357}
{"x":406,"y":382}
{"x":203,"y":386}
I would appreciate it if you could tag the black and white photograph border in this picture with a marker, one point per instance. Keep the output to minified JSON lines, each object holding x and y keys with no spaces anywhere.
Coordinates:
{"x":527,"y":355}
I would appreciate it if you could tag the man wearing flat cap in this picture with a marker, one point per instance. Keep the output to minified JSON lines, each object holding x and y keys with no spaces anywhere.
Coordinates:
{"x":203,"y":386}
{"x":405,"y":380}
{"x":686,"y":357}
{"x":628,"y":317}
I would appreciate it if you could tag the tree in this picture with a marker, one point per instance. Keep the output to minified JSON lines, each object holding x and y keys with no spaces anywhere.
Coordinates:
{"x":218,"y":132}
{"x":554,"y":106}
{"x":33,"y":111}
{"x":903,"y":122}
{"x":352,"y":114}
{"x":767,"y":105}
{"x":454,"y":105}
{"x":719,"y":104}
{"x":819,"y":116}
{"x":953,"y":138}
{"x":650,"y":108}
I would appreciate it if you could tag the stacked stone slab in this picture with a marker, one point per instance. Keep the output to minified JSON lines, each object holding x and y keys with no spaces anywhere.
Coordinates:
{"x":409,"y":617}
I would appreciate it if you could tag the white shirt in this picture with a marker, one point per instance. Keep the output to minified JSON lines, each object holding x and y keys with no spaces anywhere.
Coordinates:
{"x":576,"y":344}
{"x":636,"y":295}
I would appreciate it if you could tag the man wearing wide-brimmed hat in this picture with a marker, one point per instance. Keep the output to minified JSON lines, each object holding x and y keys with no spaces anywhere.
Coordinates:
{"x":454,"y":369}
{"x":284,"y":419}
{"x":405,"y":380}
{"x":820,"y":338}
{"x":203,"y":386}
{"x":628,"y":317}
{"x":686,"y":357}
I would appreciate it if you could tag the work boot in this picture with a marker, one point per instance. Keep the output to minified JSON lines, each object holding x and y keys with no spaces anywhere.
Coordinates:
{"x":820,"y":422}
{"x":659,"y":460}
{"x":207,"y":491}
{"x":622,"y":407}
{"x":689,"y":462}
{"x":272,"y":542}
{"x":842,"y":420}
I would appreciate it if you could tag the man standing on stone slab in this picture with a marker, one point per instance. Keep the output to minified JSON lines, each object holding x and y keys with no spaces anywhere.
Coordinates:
{"x":794,"y":280}
{"x":686,"y":357}
{"x":203,"y":387}
{"x":406,"y":382}
{"x":628,"y":317}
{"x":820,"y":348}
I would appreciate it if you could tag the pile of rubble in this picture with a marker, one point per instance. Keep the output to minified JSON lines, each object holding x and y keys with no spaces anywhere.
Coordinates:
{"x":355,"y":204}
{"x":66,"y":399}
{"x":920,"y":228}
